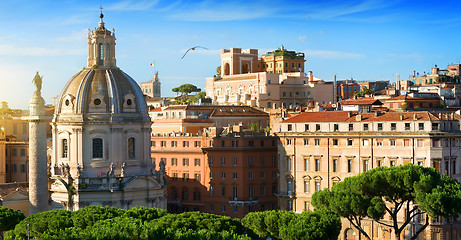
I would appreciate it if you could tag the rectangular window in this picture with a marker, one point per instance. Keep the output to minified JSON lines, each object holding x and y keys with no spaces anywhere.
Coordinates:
{"x":317,"y":165}
{"x":197,"y":144}
{"x":197,"y":177}
{"x":250,"y":175}
{"x":365,"y":142}
{"x":335,"y":127}
{"x":163,"y":143}
{"x":350,"y":142}
{"x":317,"y":186}
{"x":306,"y":127}
{"x":380,"y":126}
{"x":97,"y":148}
{"x":223,"y":191}
{"x":185,"y":143}
{"x":365,"y":165}
{"x":23,"y":152}
{"x":23,"y":168}
{"x":250,"y":161}
{"x":262,"y":175}
{"x":351,"y":127}
{"x":223,"y":161}
{"x":24,"y":129}
{"x":421,"y":126}
{"x":392,"y":163}
{"x":223,"y":175}
{"x":335,"y":142}
{"x":306,"y":164}
{"x":306,"y":186}
{"x":175,"y":176}
{"x":234,"y":176}
{"x":211,"y":191}
{"x":317,"y":127}
{"x":349,"y":165}
{"x":261,"y":160}
{"x":234,"y":161}
{"x":316,"y":142}
{"x":262,"y":191}
{"x":185,"y":161}
{"x":435,"y":126}
{"x":197,"y":162}
{"x":420,"y":143}
{"x":250,"y":143}
{"x":407,"y":126}
{"x":379,"y":142}
{"x":306,"y":206}
{"x":365,"y":127}
{"x":210,"y":161}
{"x":14,"y":152}
{"x":335,"y":165}
{"x":436,"y":142}
{"x":406,"y":142}
{"x":289,"y":163}
{"x":14,"y":168}
{"x":393,"y":126}
{"x":392,"y":142}
{"x":306,"y":141}
{"x":290,"y":127}
{"x":288,"y":140}
{"x":174,"y":144}
{"x":185,"y":177}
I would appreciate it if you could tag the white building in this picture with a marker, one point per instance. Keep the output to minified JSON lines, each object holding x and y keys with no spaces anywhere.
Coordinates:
{"x":101,"y":137}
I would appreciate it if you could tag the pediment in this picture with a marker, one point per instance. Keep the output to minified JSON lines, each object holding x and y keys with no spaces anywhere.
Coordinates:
{"x":141,"y":182}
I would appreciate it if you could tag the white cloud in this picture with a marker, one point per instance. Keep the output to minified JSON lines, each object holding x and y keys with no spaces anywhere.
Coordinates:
{"x":328,"y":54}
{"x":74,"y":37}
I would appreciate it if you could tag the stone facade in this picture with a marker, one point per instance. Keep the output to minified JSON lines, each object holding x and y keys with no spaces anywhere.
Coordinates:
{"x":319,"y":149}
{"x":101,"y":137}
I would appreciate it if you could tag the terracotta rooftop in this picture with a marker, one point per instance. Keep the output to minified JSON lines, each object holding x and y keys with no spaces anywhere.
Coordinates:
{"x":407,"y":97}
{"x":345,"y":116}
{"x":221,"y":110}
{"x":361,"y":101}
{"x":9,"y":188}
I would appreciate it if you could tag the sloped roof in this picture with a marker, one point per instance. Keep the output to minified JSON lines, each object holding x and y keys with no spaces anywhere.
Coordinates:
{"x":345,"y":116}
{"x":9,"y":188}
{"x":361,"y":101}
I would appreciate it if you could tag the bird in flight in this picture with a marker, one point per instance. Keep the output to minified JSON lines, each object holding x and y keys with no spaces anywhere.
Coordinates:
{"x":193,"y":48}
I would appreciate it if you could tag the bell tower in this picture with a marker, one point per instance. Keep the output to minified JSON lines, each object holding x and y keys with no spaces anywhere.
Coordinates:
{"x":101,"y":45}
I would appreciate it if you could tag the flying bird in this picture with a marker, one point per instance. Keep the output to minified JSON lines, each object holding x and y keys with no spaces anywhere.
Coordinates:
{"x":193,"y":48}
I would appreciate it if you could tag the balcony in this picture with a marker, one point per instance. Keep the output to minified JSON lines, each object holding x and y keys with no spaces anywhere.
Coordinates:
{"x":285,"y":194}
{"x":252,"y":201}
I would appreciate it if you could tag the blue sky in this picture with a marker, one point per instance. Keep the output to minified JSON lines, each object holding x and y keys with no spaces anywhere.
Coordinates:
{"x":360,"y":39}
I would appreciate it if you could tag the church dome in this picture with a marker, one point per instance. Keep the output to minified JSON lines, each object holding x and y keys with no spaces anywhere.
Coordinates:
{"x":101,"y":91}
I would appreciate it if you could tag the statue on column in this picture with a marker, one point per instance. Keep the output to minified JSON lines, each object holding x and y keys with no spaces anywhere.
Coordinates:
{"x":38,"y":82}
{"x":122,"y":172}
{"x":111,"y":172}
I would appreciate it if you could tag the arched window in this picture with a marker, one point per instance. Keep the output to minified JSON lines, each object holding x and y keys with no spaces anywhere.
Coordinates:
{"x":101,"y":51}
{"x":107,"y":51}
{"x":65,"y":148}
{"x":98,"y":148}
{"x":131,"y":147}
{"x":226,"y":69}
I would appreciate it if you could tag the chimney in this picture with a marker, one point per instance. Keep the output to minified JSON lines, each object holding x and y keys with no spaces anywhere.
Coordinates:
{"x":377,"y":113}
{"x":349,"y":114}
{"x":401,"y":117}
{"x":414,"y":73}
{"x":415,"y":117}
{"x":311,"y":77}
{"x":358,"y":117}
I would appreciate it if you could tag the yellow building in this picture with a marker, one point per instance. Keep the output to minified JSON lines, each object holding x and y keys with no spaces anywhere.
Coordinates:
{"x":319,"y":149}
{"x":281,"y":61}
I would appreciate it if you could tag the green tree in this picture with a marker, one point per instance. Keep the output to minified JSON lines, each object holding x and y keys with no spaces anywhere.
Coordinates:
{"x":408,"y":188}
{"x":145,"y":213}
{"x":185,"y":89}
{"x":404,"y":107}
{"x":310,"y":225}
{"x":88,"y":216}
{"x":363,"y":92}
{"x":9,"y":218}
{"x":39,"y":223}
{"x":200,"y":95}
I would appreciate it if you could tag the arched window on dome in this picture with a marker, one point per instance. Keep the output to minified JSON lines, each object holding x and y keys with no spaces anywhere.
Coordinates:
{"x":107,"y":51}
{"x":65,"y":148}
{"x":101,"y":52}
{"x":98,"y":148}
{"x":131,"y":148}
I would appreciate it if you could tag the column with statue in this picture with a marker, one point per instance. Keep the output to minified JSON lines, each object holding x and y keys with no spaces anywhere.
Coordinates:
{"x":38,"y":176}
